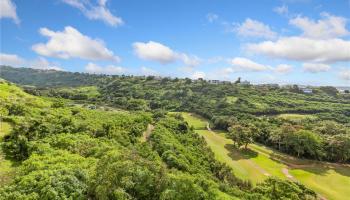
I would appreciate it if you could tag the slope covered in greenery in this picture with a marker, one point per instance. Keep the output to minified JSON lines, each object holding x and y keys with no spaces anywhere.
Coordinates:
{"x":68,"y":152}
{"x":314,"y":126}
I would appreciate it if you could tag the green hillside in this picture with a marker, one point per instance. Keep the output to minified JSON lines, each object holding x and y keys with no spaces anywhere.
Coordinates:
{"x":121,"y":137}
{"x":70,"y":152}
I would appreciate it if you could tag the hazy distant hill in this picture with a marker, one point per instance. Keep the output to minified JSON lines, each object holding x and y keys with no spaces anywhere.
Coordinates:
{"x":44,"y":78}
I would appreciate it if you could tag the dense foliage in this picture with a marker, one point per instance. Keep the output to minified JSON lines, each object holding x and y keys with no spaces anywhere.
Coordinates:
{"x":69,"y":152}
{"x":320,"y":130}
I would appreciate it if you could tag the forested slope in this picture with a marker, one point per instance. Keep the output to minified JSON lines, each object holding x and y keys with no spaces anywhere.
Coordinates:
{"x":314,"y":126}
{"x":67,"y":152}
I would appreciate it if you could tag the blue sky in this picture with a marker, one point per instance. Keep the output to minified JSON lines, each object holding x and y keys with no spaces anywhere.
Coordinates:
{"x":286,"y":41}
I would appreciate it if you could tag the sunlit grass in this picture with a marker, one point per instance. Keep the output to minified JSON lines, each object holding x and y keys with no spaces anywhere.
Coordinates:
{"x":195,"y":121}
{"x":332,"y":181}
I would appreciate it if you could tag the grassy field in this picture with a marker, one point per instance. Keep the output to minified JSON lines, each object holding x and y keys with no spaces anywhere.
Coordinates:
{"x":6,"y":166}
{"x":196,"y":121}
{"x":331,"y":181}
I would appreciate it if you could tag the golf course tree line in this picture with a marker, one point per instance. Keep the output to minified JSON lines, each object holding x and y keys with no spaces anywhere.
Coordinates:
{"x":320,"y":140}
{"x":65,"y":151}
{"x":314,"y":126}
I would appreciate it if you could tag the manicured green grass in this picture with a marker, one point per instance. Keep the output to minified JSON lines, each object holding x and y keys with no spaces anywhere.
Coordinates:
{"x":242,"y":168}
{"x":331,"y":181}
{"x":197,"y":122}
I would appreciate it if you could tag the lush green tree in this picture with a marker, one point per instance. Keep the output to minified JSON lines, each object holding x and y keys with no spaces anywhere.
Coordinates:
{"x":304,"y":144}
{"x":126,"y":175}
{"x":338,"y":148}
{"x":56,"y":175}
{"x":276,"y":189}
{"x":241,"y":135}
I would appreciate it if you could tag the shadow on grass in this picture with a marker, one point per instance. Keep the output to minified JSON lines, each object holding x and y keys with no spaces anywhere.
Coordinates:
{"x":240,"y":153}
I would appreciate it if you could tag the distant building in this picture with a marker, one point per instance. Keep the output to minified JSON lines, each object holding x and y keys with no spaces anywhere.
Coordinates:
{"x":307,"y":90}
{"x":214,"y":81}
{"x":343,"y":90}
{"x":226,"y":82}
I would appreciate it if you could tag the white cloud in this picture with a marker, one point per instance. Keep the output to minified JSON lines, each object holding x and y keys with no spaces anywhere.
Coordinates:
{"x":70,"y":43}
{"x":154,"y":51}
{"x":17,"y":61}
{"x":253,"y":28}
{"x":148,"y":71}
{"x":244,"y":64}
{"x":198,"y":74}
{"x":282,"y":10}
{"x":345,"y":74}
{"x":329,"y":26}
{"x":189,"y":60}
{"x":304,"y":49}
{"x":211,"y":17}
{"x":93,"y":68}
{"x":8,"y":10}
{"x":283,"y":69}
{"x":95,"y":12}
{"x":315,"y":67}
{"x":42,"y":63}
{"x":11,"y":60}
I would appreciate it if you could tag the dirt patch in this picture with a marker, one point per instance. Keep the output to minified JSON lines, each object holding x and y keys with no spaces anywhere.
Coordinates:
{"x":285,"y":171}
{"x":147,"y":133}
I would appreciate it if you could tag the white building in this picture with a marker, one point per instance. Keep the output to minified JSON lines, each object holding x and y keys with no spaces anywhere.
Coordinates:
{"x":214,"y":81}
{"x":307,"y":90}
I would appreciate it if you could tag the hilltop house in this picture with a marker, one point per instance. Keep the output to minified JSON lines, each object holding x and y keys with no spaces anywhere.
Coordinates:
{"x":306,"y":90}
{"x":214,"y":81}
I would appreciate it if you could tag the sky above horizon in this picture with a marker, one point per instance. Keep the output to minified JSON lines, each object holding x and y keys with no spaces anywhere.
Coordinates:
{"x":266,"y":41}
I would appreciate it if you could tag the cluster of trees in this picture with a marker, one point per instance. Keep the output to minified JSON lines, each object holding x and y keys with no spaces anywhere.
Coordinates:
{"x":241,"y":135}
{"x":321,"y":140}
{"x":76,"y":153}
